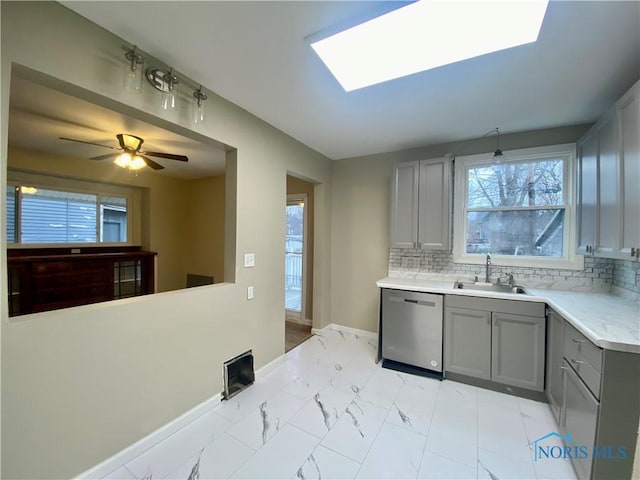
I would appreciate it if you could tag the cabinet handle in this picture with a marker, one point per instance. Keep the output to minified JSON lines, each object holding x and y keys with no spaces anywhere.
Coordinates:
{"x":633,"y":252}
{"x":562,"y":367}
{"x":577,"y":362}
{"x":578,"y":340}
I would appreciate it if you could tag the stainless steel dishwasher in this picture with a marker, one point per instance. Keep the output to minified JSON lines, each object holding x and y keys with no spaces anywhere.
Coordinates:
{"x":412,"y":328}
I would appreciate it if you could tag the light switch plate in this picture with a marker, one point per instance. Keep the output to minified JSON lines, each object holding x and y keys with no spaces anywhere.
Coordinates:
{"x":249,"y":260}
{"x":250,"y":293}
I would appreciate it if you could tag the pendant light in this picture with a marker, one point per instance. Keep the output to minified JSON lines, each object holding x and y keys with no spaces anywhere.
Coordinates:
{"x":169,"y":95}
{"x":199,"y":111}
{"x":498,"y":156}
{"x":133,"y":70}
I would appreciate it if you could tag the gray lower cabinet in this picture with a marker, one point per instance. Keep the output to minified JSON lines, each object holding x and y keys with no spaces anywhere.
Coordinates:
{"x":517,"y":350}
{"x":498,"y":340}
{"x":579,"y":418}
{"x":598,"y":399}
{"x":555,"y":345}
{"x":468,"y":342}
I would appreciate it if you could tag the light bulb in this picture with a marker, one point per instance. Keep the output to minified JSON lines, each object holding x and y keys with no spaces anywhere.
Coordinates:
{"x":168,"y":100}
{"x":199,"y":112}
{"x":137,"y":163}
{"x":123,"y":160}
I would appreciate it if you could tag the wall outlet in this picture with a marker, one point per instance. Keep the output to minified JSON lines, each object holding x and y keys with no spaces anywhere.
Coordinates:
{"x":250,"y":293}
{"x":249,"y":260}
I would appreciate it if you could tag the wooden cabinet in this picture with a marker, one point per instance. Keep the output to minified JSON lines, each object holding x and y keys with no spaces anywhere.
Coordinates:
{"x":608,"y":175}
{"x":555,"y":344}
{"x":498,"y":340}
{"x":49,"y":279}
{"x":421,"y":204}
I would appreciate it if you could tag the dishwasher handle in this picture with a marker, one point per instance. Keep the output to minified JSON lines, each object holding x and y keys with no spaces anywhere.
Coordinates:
{"x":424,"y":303}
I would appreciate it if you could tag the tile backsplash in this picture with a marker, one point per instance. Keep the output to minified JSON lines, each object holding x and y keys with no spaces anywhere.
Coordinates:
{"x":599,"y":274}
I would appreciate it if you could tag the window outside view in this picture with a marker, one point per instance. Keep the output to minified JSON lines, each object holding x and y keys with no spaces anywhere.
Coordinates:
{"x":41,"y":216}
{"x":516,"y":208}
{"x":293,"y":257}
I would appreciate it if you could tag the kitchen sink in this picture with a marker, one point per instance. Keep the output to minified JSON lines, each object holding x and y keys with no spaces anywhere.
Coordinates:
{"x":490,"y":287}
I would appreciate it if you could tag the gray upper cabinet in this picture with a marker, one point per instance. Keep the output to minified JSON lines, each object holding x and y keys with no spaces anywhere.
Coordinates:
{"x":608,"y":175}
{"x":421,"y":204}
{"x":404,"y":205}
{"x":468,"y":342}
{"x":628,"y":116}
{"x":587,"y":191}
{"x":517,"y":350}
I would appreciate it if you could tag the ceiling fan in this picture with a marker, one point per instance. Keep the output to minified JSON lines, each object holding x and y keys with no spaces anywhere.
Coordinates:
{"x":129,"y":154}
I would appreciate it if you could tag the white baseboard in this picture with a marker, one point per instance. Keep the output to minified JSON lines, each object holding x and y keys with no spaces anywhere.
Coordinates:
{"x":132,"y":451}
{"x":355,"y":331}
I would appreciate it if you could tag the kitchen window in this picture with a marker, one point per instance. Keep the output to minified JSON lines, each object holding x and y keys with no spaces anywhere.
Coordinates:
{"x":519,"y":210}
{"x":43,"y":210}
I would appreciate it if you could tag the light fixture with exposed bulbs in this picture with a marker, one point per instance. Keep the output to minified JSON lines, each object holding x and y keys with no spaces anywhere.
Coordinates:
{"x":164,"y":80}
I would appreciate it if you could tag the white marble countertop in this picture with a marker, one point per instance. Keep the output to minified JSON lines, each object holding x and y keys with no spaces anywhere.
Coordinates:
{"x":608,"y":320}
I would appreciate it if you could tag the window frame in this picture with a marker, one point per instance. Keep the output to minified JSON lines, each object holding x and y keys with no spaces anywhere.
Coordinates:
{"x":570,"y":260}
{"x":100,"y":190}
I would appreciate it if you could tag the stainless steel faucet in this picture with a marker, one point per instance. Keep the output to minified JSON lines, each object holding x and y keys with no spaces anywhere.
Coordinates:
{"x":487,"y":276}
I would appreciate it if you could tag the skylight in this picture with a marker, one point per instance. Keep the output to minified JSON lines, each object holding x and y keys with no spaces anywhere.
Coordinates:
{"x":425,"y":35}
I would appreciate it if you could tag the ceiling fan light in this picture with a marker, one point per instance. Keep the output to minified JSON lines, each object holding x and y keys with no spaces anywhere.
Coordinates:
{"x":123,"y":160}
{"x":137,"y":163}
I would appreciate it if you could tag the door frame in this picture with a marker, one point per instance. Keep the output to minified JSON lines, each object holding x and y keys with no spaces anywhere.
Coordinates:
{"x":290,"y":315}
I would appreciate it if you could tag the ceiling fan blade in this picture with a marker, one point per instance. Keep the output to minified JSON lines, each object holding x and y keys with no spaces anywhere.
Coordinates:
{"x":104,"y":157}
{"x":170,"y":156}
{"x":151,"y":163}
{"x":88,"y":143}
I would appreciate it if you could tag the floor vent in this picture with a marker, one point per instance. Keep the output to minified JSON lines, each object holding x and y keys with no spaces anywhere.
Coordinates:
{"x":238,"y":374}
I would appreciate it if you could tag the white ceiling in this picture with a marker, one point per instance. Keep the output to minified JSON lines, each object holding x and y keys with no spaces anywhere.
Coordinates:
{"x":257,"y":55}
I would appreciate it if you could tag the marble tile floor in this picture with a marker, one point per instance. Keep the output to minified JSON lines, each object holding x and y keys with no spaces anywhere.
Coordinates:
{"x":329,"y":411}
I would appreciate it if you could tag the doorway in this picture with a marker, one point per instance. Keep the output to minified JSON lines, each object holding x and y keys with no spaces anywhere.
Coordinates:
{"x":298,"y":262}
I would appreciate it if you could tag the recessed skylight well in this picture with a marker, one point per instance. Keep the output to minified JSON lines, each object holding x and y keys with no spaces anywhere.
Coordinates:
{"x":425,"y":35}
